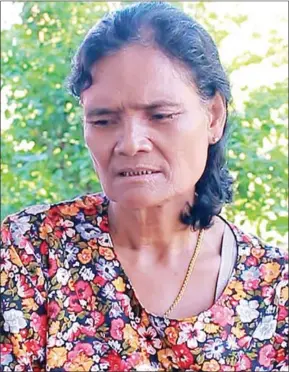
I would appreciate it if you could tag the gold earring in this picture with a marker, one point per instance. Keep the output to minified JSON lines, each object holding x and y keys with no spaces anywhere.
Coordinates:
{"x":215,"y":139}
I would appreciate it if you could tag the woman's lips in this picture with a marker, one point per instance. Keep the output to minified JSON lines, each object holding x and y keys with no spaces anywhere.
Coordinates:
{"x":138,"y":173}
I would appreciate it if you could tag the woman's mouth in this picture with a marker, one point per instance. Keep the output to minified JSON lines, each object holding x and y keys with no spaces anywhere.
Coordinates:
{"x":137,"y":173}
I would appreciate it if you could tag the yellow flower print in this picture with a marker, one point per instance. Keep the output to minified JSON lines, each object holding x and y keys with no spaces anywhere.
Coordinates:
{"x":238,"y":332}
{"x":3,"y":278}
{"x":167,"y":358}
{"x":15,"y":258}
{"x":54,"y":327}
{"x":211,"y":328}
{"x":70,"y":210}
{"x":172,"y":335}
{"x":44,"y":231}
{"x":119,"y":284}
{"x":270,"y":271}
{"x":107,"y":253}
{"x":236,"y":285}
{"x":84,"y":256}
{"x":56,"y":357}
{"x":82,"y":363}
{"x":236,"y":290}
{"x":29,"y":304}
{"x":212,"y":365}
{"x":131,"y":336}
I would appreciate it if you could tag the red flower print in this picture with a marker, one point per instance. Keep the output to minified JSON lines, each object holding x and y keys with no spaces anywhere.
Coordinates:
{"x":44,"y":248}
{"x":38,"y":323}
{"x":103,"y":224}
{"x":53,"y":216}
{"x":32,"y":346}
{"x":24,"y":289}
{"x":117,"y":326}
{"x":26,"y":258}
{"x":74,"y":304}
{"x":280,"y":355}
{"x":24,"y":332}
{"x":85,"y":348}
{"x":283,"y":313}
{"x":89,"y":207}
{"x":185,"y":357}
{"x":83,"y":290}
{"x":251,"y":284}
{"x":52,"y":267}
{"x":279,"y":339}
{"x":53,"y":309}
{"x":266,"y":355}
{"x":100,"y":281}
{"x":251,"y":261}
{"x":115,"y":362}
{"x":6,"y":348}
{"x":222,"y":315}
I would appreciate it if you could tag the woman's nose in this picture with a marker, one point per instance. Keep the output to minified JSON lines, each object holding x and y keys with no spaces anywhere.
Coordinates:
{"x":133,"y":138}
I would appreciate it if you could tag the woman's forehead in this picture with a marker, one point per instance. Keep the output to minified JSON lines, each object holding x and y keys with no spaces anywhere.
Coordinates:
{"x":138,"y":63}
{"x":139,"y":75}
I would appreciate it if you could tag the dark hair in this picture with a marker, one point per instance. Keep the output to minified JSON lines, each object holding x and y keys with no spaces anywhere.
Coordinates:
{"x":179,"y":37}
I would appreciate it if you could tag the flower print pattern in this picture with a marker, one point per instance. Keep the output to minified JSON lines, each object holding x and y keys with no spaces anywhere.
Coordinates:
{"x":214,"y":349}
{"x":68,"y":305}
{"x":247,"y":310}
{"x":13,"y":321}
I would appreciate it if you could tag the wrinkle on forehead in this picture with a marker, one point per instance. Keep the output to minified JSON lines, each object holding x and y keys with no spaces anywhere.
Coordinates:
{"x":178,"y":68}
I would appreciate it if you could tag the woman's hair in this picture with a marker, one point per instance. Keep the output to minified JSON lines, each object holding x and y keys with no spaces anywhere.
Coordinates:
{"x":179,"y":37}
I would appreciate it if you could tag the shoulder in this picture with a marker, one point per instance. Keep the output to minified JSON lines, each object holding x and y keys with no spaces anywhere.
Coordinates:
{"x":271,"y":260}
{"x":41,"y":219}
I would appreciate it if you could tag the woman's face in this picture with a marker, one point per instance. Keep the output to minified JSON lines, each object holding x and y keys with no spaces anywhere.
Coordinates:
{"x":147,"y":130}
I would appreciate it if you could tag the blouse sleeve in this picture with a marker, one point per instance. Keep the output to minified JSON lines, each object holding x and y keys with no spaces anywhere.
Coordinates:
{"x":23,"y":315}
{"x":281,"y":336}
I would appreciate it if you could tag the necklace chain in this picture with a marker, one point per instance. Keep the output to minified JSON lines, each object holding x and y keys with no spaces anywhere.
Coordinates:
{"x":188,"y":274}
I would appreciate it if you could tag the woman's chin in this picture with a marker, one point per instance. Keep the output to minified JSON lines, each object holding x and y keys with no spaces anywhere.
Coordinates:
{"x":137,"y":199}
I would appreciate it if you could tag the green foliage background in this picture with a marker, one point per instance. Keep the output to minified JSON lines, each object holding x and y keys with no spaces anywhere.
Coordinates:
{"x":43,"y":154}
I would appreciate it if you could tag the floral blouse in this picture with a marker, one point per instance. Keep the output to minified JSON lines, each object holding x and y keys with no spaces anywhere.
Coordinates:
{"x":67,"y":304}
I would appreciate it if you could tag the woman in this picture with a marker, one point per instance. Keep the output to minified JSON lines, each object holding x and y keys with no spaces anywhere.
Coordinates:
{"x":146,"y":275}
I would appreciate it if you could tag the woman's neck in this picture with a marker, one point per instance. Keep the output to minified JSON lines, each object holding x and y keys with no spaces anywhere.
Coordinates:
{"x":156,"y":230}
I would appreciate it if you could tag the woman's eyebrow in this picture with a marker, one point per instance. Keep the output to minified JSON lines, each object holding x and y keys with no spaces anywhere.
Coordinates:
{"x":157,"y":104}
{"x":98,"y":111}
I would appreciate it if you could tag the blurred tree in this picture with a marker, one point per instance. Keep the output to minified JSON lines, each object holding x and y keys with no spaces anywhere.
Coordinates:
{"x":43,"y":154}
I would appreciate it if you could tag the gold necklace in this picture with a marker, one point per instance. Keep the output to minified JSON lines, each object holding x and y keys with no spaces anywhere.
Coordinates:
{"x":188,"y":274}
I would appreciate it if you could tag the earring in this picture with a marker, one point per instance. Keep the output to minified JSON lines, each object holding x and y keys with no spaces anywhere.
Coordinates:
{"x":215,"y":139}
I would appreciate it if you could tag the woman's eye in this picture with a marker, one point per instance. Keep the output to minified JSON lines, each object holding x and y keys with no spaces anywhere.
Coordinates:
{"x":163,"y":116}
{"x":99,"y":123}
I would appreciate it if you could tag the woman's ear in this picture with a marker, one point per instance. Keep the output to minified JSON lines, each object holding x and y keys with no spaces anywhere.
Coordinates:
{"x":217,"y":118}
